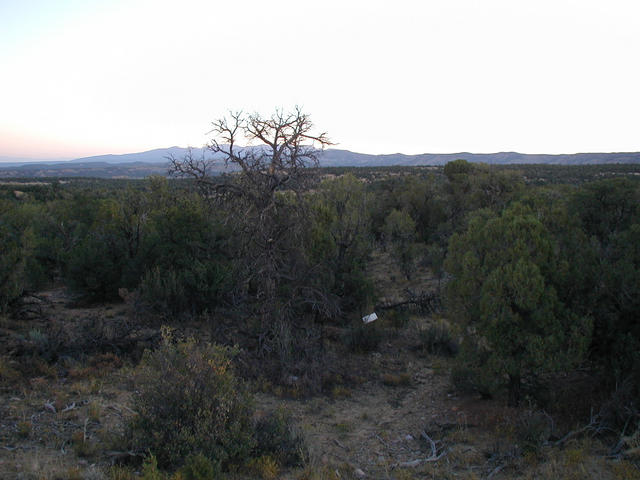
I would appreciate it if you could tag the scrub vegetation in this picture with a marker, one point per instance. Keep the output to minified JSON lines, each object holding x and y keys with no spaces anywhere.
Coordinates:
{"x":200,"y":326}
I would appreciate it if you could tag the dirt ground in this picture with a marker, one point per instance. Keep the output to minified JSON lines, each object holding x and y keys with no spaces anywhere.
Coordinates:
{"x":400,"y":419}
{"x":374,"y":425}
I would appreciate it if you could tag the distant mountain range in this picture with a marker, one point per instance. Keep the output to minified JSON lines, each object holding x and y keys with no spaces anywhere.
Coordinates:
{"x":335,"y":158}
{"x":155,"y":161}
{"x":158,"y":155}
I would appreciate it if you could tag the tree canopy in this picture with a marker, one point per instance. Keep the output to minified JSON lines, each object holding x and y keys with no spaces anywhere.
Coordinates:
{"x":502,"y":285}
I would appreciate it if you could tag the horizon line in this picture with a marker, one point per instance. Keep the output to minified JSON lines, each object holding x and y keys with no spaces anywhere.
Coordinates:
{"x":38,"y":159}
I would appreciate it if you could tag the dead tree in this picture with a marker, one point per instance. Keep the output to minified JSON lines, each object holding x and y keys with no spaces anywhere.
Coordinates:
{"x":275,"y":153}
{"x":268,"y":158}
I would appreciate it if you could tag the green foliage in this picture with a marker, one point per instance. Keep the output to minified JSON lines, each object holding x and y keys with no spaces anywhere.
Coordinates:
{"x":438,"y":339}
{"x":60,"y":226}
{"x":434,"y":257}
{"x":199,"y":467}
{"x":610,"y":214}
{"x":193,"y":414}
{"x":400,"y":230}
{"x":493,"y":188}
{"x":95,"y":266}
{"x":526,"y":278}
{"x":168,"y":245}
{"x":277,"y":438}
{"x":453,"y":169}
{"x":340,"y":240}
{"x":424,"y":200}
{"x":575,"y":272}
{"x":264,"y":467}
{"x":102,"y":261}
{"x":16,"y":250}
{"x":190,"y":290}
{"x":363,"y":338}
{"x":607,"y":207}
{"x":13,"y":249}
{"x":298,"y":356}
{"x":617,"y":330}
{"x":502,"y":269}
{"x":474,"y":186}
{"x":189,"y":402}
{"x":469,"y":373}
{"x":150,"y":469}
{"x":186,"y":267}
{"x":533,"y":430}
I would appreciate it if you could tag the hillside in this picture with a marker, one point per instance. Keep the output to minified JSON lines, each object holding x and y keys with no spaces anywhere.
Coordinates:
{"x":154,"y":162}
{"x":345,"y":158}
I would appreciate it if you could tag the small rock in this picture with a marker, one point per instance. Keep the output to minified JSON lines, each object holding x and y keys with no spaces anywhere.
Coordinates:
{"x":359,"y":473}
{"x":408,"y":437}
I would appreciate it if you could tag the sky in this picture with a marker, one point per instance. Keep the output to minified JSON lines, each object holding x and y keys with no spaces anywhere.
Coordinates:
{"x":90,"y":77}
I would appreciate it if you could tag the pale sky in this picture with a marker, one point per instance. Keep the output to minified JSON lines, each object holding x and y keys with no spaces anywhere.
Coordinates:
{"x":89,"y":77}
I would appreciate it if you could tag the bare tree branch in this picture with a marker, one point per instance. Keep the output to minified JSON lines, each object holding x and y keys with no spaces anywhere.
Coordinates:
{"x":270,"y":156}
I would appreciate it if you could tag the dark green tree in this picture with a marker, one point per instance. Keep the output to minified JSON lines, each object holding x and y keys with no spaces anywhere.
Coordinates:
{"x":617,"y":331}
{"x":340,"y":239}
{"x":472,"y":186}
{"x":400,"y":232}
{"x":502,"y":286}
{"x":609,"y":212}
{"x":186,"y":259}
{"x":423,"y":199}
{"x":607,"y":206}
{"x":16,"y":247}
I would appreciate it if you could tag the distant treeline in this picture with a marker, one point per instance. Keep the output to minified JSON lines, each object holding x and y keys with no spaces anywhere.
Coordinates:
{"x":594,"y":165}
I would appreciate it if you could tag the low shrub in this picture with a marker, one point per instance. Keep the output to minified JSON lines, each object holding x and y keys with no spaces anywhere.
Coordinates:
{"x":363,"y":338}
{"x":186,"y":291}
{"x":8,"y":374}
{"x":621,"y":412}
{"x":277,"y":438}
{"x":118,"y":472}
{"x":82,"y":446}
{"x":470,"y":373}
{"x":290,"y":357}
{"x":95,"y":266}
{"x":264,"y":467}
{"x":533,"y":430}
{"x":196,"y":418}
{"x":198,"y":467}
{"x":24,"y":429}
{"x":438,"y":339}
{"x":189,"y":402}
{"x":393,"y":380}
{"x":462,"y":379}
{"x":398,"y":318}
{"x":150,"y":469}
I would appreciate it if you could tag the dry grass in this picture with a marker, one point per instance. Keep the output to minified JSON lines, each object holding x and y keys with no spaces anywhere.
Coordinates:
{"x":56,"y":420}
{"x":392,"y":380}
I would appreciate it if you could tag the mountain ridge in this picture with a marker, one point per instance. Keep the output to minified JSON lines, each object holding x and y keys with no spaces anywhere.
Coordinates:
{"x":155,"y":162}
{"x":346,"y":158}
